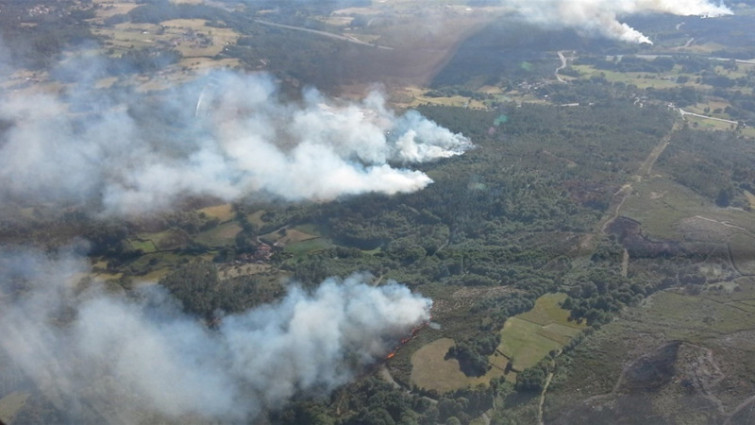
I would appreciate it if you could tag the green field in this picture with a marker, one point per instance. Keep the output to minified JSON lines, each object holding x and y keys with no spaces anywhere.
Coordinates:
{"x":309,"y":246}
{"x":525,"y":338}
{"x":145,"y":245}
{"x":639,"y":79}
{"x":221,"y":235}
{"x":530,"y":336}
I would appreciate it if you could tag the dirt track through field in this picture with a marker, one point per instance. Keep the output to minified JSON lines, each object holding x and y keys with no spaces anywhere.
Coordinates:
{"x":613,"y":212}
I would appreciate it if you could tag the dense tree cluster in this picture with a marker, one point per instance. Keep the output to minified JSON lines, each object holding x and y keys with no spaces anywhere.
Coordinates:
{"x":715,"y":165}
{"x":473,"y":354}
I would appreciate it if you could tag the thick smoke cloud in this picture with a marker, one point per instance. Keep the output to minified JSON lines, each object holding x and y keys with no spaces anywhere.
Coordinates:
{"x":227,"y":135}
{"x":105,"y":357}
{"x":602,"y":16}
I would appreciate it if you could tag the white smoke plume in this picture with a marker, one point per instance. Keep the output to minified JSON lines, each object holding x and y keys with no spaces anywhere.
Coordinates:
{"x":602,"y":16}
{"x":230,"y":136}
{"x":104,"y":357}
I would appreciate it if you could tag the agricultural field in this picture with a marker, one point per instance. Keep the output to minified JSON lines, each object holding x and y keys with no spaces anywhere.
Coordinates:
{"x":223,"y":212}
{"x":431,"y":369}
{"x":640,"y":79}
{"x":221,"y":235}
{"x":529,"y":337}
{"x":525,"y":340}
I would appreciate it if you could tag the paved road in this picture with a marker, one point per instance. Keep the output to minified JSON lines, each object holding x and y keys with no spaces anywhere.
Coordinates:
{"x":683,"y":112}
{"x":341,"y":37}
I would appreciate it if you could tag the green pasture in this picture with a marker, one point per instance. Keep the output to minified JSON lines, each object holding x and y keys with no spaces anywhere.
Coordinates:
{"x":528,"y":337}
{"x":144,"y":245}
{"x":308,"y":246}
{"x":640,"y":79}
{"x":221,"y":235}
{"x":525,"y":339}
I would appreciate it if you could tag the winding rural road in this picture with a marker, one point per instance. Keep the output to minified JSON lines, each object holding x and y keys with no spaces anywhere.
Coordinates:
{"x":542,"y":399}
{"x":563,"y":65}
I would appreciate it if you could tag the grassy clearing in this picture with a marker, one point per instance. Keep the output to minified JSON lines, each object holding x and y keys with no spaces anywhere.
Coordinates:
{"x":528,"y":337}
{"x":309,"y":246}
{"x":145,"y":245}
{"x":412,"y":97}
{"x":228,"y":272}
{"x":194,"y":39}
{"x":708,"y":124}
{"x":430,"y":369}
{"x":191,"y":37}
{"x":548,"y":310}
{"x":256,"y":218}
{"x":221,"y":235}
{"x":308,"y":228}
{"x":525,"y":338}
{"x":197,"y":65}
{"x":640,"y":79}
{"x":669,"y":210}
{"x":129,"y":35}
{"x":523,"y":342}
{"x":11,"y":404}
{"x":660,"y":204}
{"x":286,"y":236}
{"x":166,"y":239}
{"x":109,"y":8}
{"x":222,"y":212}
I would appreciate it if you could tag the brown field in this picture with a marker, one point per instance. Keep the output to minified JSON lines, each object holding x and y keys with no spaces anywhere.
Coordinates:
{"x":222,"y":212}
{"x":411,"y":97}
{"x":431,"y":371}
{"x":110,"y":8}
{"x":288,"y":236}
{"x":193,"y":39}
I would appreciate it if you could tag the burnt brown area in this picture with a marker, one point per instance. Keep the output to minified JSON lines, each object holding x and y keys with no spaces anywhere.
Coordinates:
{"x":629,"y":234}
{"x":681,"y":374}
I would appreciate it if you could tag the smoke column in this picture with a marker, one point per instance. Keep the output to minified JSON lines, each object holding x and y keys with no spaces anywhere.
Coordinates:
{"x":131,"y":153}
{"x":601,"y":16}
{"x":103,"y":356}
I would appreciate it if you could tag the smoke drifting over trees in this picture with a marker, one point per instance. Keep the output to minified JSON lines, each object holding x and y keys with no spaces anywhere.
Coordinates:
{"x":227,"y":136}
{"x":602,"y":16}
{"x":101,"y":356}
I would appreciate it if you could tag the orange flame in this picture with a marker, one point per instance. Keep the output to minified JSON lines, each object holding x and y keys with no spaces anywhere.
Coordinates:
{"x":406,"y":339}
